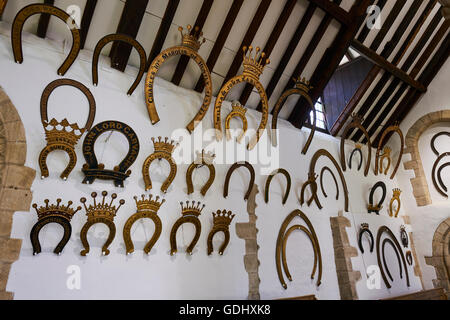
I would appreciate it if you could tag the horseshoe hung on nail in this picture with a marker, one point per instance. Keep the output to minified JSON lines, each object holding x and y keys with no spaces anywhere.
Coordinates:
{"x":322,"y":172}
{"x":361,"y":157}
{"x":441,"y":188}
{"x":310,"y":182}
{"x":365,"y":229}
{"x":230,"y":172}
{"x":238,"y":111}
{"x":372,"y":208}
{"x":221,"y":222}
{"x":269,"y":180}
{"x":396,"y":129}
{"x":203,"y":159}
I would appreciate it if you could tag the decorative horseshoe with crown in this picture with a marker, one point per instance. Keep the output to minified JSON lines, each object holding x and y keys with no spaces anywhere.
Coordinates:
{"x":396,"y":129}
{"x":52,"y":214}
{"x":371,"y":207}
{"x":203,"y":159}
{"x":122,"y":38}
{"x":396,"y":197}
{"x":63,"y":139}
{"x":189,"y":47}
{"x":302,"y":88}
{"x":237,"y":111}
{"x":190,"y":214}
{"x":145,"y":209}
{"x":230,"y":172}
{"x":93,"y":170}
{"x":221,"y":222}
{"x":162,"y":150}
{"x":100,"y":213}
{"x":386,"y":155}
{"x":253,"y":68}
{"x":365,"y":229}
{"x":32,"y":9}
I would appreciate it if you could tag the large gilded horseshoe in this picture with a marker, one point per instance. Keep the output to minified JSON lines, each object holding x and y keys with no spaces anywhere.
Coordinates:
{"x":433,"y":141}
{"x":32,"y":9}
{"x":382,"y":230}
{"x":312,"y":168}
{"x":127,"y":231}
{"x":154,"y":67}
{"x":85,"y":229}
{"x":279,"y":105}
{"x":208,"y":184}
{"x":288,"y":186}
{"x":280,"y":239}
{"x":34,"y":235}
{"x":122,"y":38}
{"x":387,"y":240}
{"x":396,"y":129}
{"x":283,"y":254}
{"x":146,"y":170}
{"x":335,"y":182}
{"x":173,"y":233}
{"x":230,"y":172}
{"x":395,"y":197}
{"x":356,"y":124}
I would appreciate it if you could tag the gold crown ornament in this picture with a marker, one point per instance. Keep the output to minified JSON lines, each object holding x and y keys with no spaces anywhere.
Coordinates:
{"x":165,"y":145}
{"x":302,"y":84}
{"x":223,"y":218}
{"x":254,"y":65}
{"x":54,"y":136}
{"x":148,"y":204}
{"x":191,"y":209}
{"x":221,"y":222}
{"x":364,"y":226}
{"x":191,"y":39}
{"x":56,"y":210}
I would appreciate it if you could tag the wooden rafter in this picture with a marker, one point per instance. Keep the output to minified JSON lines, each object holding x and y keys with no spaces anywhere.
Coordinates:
{"x":44,"y":20}
{"x":220,"y":41}
{"x":88,"y":13}
{"x":365,"y":30}
{"x":331,"y":59}
{"x":130,"y":21}
{"x":200,"y":22}
{"x":273,"y":38}
{"x":334,"y":10}
{"x":248,"y":38}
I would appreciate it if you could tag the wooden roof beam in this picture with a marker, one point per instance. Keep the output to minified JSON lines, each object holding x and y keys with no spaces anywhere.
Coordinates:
{"x":334,"y":10}
{"x":88,"y":13}
{"x":44,"y":20}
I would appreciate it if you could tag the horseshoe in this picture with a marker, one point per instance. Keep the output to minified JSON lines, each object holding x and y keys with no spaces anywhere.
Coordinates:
{"x":365,"y":229}
{"x":439,"y":175}
{"x":238,"y":111}
{"x":382,"y":230}
{"x":122,"y":38}
{"x":396,"y":197}
{"x":253,"y":68}
{"x":356,"y":150}
{"x":387,"y":240}
{"x":433,"y":141}
{"x":395,"y":128}
{"x":310,"y":182}
{"x":269,"y":180}
{"x":204,"y":159}
{"x":230,"y":172}
{"x":433,"y":174}
{"x":335,"y":182}
{"x":221,"y":222}
{"x":356,"y":123}
{"x":302,"y":88}
{"x":376,"y":208}
{"x":145,"y":209}
{"x":190,"y":215}
{"x":189,"y":47}
{"x":404,"y":237}
{"x":32,"y":9}
{"x":409,"y":258}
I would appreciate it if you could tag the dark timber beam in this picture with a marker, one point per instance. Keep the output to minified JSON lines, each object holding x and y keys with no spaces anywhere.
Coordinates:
{"x":248,"y":38}
{"x":163,"y":30}
{"x":365,"y":31}
{"x":386,"y":65}
{"x":130,"y":21}
{"x":220,"y":41}
{"x":200,"y":22}
{"x":334,"y":10}
{"x":271,"y":42}
{"x":331,"y":59}
{"x":86,"y":20}
{"x":44,"y":20}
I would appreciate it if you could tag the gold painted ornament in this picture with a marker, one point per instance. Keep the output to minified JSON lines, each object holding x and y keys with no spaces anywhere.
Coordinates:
{"x":163,"y":149}
{"x":101,"y":212}
{"x":395,"y":197}
{"x":67,"y":137}
{"x":190,"y":214}
{"x":203,"y":159}
{"x":237,"y":111}
{"x":60,"y":214}
{"x":221,"y":222}
{"x":146,"y":208}
{"x":189,"y":47}
{"x":253,"y":68}
{"x":386,"y":155}
{"x":392,"y":129}
{"x":32,"y":9}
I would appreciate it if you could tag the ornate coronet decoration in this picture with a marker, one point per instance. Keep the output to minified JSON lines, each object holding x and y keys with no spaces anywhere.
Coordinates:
{"x":386,"y":155}
{"x":365,"y":229}
{"x":404,"y":237}
{"x":376,"y":208}
{"x":191,"y":39}
{"x":189,"y":47}
{"x":302,"y":88}
{"x":253,"y":68}
{"x":203,"y":159}
{"x":238,"y":111}
{"x":221,"y":222}
{"x":230,"y":172}
{"x":399,"y":253}
{"x":32,"y":9}
{"x":396,"y":129}
{"x":119,"y":38}
{"x":146,"y":208}
{"x":269,"y":180}
{"x":283,"y":236}
{"x":93,"y":170}
{"x":356,"y":123}
{"x":395,"y":197}
{"x":101,"y":212}
{"x":190,"y":214}
{"x":67,"y":137}
{"x":55,"y":213}
{"x":163,"y":149}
